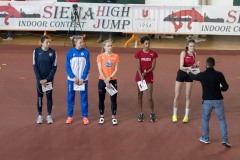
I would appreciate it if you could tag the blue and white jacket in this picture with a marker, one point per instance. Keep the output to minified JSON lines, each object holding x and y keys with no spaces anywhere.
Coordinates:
{"x":78,"y":64}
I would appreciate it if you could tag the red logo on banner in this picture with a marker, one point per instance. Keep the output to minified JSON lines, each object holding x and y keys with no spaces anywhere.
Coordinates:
{"x":144,"y":13}
{"x":185,"y":15}
{"x":11,"y":12}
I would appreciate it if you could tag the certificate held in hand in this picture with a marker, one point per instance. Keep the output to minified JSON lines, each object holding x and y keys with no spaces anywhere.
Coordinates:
{"x":112,"y":90}
{"x":79,"y":87}
{"x":48,"y":87}
{"x":142,"y":85}
{"x":195,"y":70}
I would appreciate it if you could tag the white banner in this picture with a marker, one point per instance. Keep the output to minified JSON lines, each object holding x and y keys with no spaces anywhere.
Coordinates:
{"x":210,"y":20}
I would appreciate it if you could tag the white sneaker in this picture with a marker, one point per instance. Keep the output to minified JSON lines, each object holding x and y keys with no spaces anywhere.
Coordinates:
{"x":39,"y":119}
{"x":114,"y":121}
{"x":8,"y":38}
{"x":49,"y":119}
{"x":101,"y":120}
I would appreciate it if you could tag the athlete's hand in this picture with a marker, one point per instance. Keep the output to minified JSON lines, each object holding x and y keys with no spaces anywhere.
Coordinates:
{"x":108,"y":85}
{"x":75,"y":80}
{"x":107,"y":80}
{"x":43,"y":82}
{"x":80,"y":82}
{"x":143,"y":75}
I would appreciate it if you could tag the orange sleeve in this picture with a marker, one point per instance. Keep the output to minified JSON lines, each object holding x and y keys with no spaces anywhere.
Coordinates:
{"x":99,"y":57}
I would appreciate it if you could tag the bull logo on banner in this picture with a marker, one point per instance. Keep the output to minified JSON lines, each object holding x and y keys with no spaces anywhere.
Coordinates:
{"x":188,"y":16}
{"x":11,"y":12}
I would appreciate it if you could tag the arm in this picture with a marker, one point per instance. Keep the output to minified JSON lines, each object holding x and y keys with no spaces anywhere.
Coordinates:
{"x":150,"y":69}
{"x":195,"y":77}
{"x":100,"y":70}
{"x":68,"y":67}
{"x":224,"y":84}
{"x":86,"y":68}
{"x":139,"y":69}
{"x":53,"y":69}
{"x":197,"y":63}
{"x":35,"y":67}
{"x":113,"y":74}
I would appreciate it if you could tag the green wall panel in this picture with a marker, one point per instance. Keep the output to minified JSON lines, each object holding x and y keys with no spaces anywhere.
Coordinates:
{"x":236,"y":2}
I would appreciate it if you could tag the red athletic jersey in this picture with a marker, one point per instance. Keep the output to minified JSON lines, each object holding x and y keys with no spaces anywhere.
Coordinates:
{"x":189,"y":60}
{"x":146,"y":60}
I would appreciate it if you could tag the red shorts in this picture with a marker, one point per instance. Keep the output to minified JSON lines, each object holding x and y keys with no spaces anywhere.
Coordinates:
{"x":148,"y":77}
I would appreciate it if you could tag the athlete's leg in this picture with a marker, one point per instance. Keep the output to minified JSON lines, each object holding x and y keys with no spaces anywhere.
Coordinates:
{"x":140,"y":95}
{"x":101,"y":95}
{"x":149,"y":95}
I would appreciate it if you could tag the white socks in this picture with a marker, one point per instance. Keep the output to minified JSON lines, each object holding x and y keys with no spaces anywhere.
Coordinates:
{"x":186,"y":111}
{"x":174,"y":110}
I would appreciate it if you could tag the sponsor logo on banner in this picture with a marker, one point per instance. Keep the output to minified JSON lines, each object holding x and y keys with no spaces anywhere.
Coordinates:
{"x":9,"y":11}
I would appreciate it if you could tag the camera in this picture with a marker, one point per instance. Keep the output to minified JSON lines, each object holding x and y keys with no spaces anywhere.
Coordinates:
{"x":75,"y":6}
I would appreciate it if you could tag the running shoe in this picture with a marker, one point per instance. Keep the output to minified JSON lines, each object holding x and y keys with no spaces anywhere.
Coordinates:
{"x":40,"y":119}
{"x":49,"y":119}
{"x":153,"y":117}
{"x":174,"y":118}
{"x":101,"y":120}
{"x":85,"y":121}
{"x":185,"y":119}
{"x":141,"y":117}
{"x":69,"y":120}
{"x":114,"y":121}
{"x":204,"y":140}
{"x":226,"y":143}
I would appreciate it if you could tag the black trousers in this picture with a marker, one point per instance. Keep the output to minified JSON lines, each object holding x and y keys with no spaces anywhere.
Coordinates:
{"x":40,"y":97}
{"x":102,"y":94}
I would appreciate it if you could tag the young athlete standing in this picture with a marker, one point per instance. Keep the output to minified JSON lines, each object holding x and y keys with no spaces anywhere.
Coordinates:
{"x":187,"y":60}
{"x":78,"y":66}
{"x":45,"y":66}
{"x":108,"y":63}
{"x":146,"y":61}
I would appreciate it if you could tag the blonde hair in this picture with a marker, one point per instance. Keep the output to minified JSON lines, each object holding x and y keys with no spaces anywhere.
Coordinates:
{"x":103,"y":44}
{"x":75,"y":39}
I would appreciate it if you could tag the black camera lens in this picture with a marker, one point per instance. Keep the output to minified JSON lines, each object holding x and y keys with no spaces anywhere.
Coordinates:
{"x":75,"y":6}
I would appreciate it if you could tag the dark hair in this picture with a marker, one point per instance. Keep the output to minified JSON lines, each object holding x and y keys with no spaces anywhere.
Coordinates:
{"x":143,"y":39}
{"x":43,"y":38}
{"x":189,"y":41}
{"x":210,"y":62}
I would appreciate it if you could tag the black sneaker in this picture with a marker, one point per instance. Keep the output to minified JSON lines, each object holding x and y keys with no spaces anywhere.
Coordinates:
{"x":153,"y":117}
{"x":226,"y":143}
{"x":141,"y":117}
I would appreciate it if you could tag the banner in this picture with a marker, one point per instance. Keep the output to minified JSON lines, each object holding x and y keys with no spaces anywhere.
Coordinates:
{"x":96,"y":17}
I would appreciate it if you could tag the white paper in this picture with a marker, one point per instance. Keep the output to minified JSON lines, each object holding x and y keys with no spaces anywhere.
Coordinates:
{"x":48,"y":87}
{"x":112,"y":90}
{"x":142,"y":85}
{"x":195,"y":70}
{"x":79,"y":87}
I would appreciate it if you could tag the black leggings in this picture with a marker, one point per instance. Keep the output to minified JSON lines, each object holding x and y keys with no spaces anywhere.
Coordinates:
{"x":102,"y":93}
{"x":40,"y":97}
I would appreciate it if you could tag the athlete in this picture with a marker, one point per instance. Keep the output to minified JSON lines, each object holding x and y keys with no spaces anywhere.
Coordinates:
{"x":108,"y":64}
{"x":45,"y":66}
{"x":187,"y":60}
{"x":146,"y":61}
{"x":77,"y":67}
